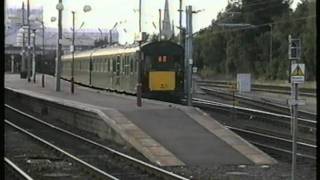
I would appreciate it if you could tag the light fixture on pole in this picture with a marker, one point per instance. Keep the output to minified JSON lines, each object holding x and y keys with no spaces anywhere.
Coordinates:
{"x":110,"y":32}
{"x":86,"y":8}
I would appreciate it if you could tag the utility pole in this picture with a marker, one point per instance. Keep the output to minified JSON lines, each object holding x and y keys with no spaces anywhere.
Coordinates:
{"x":72,"y":50}
{"x":110,"y":34}
{"x":180,"y":22}
{"x":139,"y":85}
{"x":188,"y":54}
{"x":29,"y":43}
{"x":34,"y":55}
{"x":42,"y":59}
{"x":270,"y":43}
{"x":159,"y":24}
{"x":59,"y":48}
{"x":23,"y":61}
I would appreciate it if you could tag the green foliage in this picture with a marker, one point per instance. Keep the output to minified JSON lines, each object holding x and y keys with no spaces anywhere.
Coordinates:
{"x":227,"y":50}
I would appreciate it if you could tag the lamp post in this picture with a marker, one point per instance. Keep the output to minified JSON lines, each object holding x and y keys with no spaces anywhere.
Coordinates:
{"x":86,"y":8}
{"x":72,"y":50}
{"x":33,"y":35}
{"x":42,"y":53}
{"x":23,"y":63}
{"x":139,"y":84}
{"x":29,"y":43}
{"x":59,"y":7}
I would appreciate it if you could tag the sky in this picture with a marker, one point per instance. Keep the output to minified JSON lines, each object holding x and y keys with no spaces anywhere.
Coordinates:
{"x":105,"y":13}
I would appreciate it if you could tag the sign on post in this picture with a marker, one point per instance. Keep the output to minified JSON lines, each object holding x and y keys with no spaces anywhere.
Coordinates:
{"x":297,"y":73}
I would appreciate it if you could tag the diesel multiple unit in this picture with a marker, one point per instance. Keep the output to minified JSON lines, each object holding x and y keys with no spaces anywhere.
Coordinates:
{"x":116,"y":68}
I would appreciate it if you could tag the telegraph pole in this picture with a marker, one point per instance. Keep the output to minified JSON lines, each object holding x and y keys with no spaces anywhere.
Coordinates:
{"x":139,"y":85}
{"x":180,"y":22}
{"x":72,"y":50}
{"x":42,"y":79}
{"x":59,"y":48}
{"x":29,"y":43}
{"x":188,"y":54}
{"x":159,"y":24}
{"x":34,"y":55}
{"x":23,"y":61}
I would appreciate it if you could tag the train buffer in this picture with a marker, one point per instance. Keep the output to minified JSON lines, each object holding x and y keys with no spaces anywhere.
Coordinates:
{"x":167,"y":134}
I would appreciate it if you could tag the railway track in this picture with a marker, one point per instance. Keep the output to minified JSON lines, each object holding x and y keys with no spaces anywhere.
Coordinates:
{"x":14,"y":172}
{"x":91,"y":171}
{"x":116,"y":164}
{"x":274,"y":143}
{"x":261,"y":136}
{"x":264,"y":105}
{"x":309,"y":92}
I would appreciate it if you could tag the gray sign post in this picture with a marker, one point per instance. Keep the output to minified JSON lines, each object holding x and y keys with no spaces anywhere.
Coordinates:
{"x":296,"y":77}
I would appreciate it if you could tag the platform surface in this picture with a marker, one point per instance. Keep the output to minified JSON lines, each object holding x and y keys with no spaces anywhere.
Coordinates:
{"x":180,"y":132}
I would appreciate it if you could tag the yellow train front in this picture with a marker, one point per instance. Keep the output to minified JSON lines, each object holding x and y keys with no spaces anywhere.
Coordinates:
{"x":163,"y":74}
{"x":116,"y":69}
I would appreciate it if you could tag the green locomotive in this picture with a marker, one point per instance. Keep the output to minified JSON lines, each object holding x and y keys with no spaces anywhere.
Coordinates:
{"x":116,"y":68}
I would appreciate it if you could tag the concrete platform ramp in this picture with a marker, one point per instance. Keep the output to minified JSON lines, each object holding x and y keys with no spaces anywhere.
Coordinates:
{"x":165,"y":133}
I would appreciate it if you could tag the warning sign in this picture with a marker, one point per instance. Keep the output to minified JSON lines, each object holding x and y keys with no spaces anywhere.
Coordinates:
{"x":297,"y":73}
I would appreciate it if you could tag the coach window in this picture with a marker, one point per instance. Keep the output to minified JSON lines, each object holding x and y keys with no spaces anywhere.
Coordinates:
{"x":114,"y":64}
{"x":131,"y":65}
{"x":105,"y":65}
{"x":108,"y":64}
{"x":94,"y":65}
{"x":123,"y":63}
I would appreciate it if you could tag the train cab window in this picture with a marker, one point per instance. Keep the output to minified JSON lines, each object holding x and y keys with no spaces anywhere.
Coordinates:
{"x":161,"y":62}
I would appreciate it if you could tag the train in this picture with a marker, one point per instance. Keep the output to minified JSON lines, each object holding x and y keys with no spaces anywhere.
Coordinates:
{"x":116,"y":69}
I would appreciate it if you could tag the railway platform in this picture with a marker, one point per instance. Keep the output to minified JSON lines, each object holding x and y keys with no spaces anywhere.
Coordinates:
{"x":165,"y":133}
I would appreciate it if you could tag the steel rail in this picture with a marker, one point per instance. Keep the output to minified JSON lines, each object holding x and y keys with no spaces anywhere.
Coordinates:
{"x":250,"y":110}
{"x":261,"y":87}
{"x":277,"y":139}
{"x":271,"y":137}
{"x":168,"y":174}
{"x":250,"y":101}
{"x":17,"y":169}
{"x":108,"y":176}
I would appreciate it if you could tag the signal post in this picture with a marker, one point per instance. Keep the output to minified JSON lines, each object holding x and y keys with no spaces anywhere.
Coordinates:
{"x":296,"y":77}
